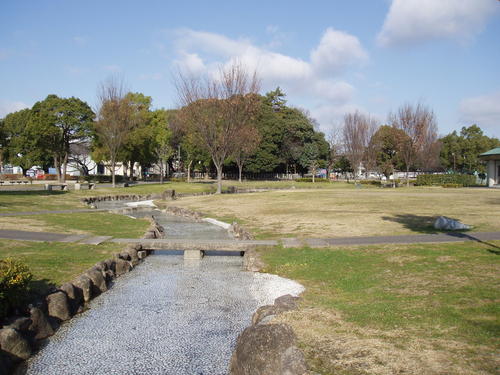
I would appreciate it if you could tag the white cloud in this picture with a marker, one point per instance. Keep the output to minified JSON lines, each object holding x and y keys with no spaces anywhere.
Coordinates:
{"x":7,"y":106}
{"x":337,"y":50}
{"x":319,"y":77}
{"x":410,"y":21}
{"x":482,"y":110}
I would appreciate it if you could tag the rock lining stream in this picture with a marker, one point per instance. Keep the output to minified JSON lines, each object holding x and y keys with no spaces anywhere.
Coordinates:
{"x":167,"y":316}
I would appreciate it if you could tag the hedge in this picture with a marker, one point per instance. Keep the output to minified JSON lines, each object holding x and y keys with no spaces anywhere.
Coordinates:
{"x":102,"y":178}
{"x":15,"y":277}
{"x":309,"y":179}
{"x":446,"y":179}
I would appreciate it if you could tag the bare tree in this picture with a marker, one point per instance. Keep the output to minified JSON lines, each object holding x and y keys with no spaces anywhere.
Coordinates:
{"x":356,"y":134}
{"x":246,"y":143}
{"x":419,"y":123}
{"x":115,"y":119}
{"x":80,"y":158}
{"x":216,"y":109}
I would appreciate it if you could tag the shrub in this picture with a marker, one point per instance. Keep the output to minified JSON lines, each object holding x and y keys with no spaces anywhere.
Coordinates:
{"x":101,"y":178}
{"x":451,"y":185}
{"x":14,"y":280}
{"x":11,"y":176}
{"x":309,"y":179}
{"x":442,"y":179}
{"x":177,"y":179}
{"x":370,"y":182}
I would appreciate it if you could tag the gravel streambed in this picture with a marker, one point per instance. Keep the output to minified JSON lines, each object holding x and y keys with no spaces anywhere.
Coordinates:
{"x":167,"y":316}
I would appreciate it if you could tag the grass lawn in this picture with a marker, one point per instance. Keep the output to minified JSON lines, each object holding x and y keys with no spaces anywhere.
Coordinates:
{"x":413,"y":309}
{"x":92,"y":223}
{"x":340,"y":210}
{"x":55,"y":263}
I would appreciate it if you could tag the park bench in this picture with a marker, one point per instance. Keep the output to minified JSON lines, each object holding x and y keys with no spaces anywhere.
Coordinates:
{"x":84,"y":185}
{"x":51,"y":187}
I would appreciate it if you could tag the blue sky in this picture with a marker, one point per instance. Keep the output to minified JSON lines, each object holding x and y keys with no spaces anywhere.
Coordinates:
{"x":330,"y":57}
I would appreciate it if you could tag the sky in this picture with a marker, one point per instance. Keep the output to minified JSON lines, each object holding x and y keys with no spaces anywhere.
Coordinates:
{"x":330,"y":57}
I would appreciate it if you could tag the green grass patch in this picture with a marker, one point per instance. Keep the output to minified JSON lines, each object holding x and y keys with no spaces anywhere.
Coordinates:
{"x":54,"y":263}
{"x":433,"y":290}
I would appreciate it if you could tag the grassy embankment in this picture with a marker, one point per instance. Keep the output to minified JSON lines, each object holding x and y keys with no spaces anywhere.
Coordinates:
{"x":413,"y":309}
{"x":55,"y":263}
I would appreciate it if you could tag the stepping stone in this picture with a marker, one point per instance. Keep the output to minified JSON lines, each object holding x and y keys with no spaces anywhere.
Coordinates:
{"x":95,"y":240}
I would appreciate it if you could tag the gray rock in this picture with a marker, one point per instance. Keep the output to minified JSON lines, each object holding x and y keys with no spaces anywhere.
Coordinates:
{"x":445,"y":223}
{"x":122,"y":266}
{"x":75,"y":296}
{"x":263,"y":312}
{"x":40,"y":325}
{"x":142,"y":254}
{"x":124,"y":255}
{"x":110,"y":264}
{"x":98,"y":281}
{"x":287,"y":302}
{"x":20,"y":324}
{"x":13,"y":343}
{"x":58,"y":306}
{"x":252,"y":261}
{"x":84,"y":283}
{"x":267,"y":349}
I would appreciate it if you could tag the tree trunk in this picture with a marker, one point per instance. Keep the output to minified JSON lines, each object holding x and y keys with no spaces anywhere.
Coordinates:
{"x":240,"y":170}
{"x":219,"y":178}
{"x":161,"y":171}
{"x":407,"y":176}
{"x":113,"y":165}
{"x":65,"y":167}
{"x":57,"y":166}
{"x":314,"y":175}
{"x":189,"y":171}
{"x":131,"y":174}
{"x":393,"y":178}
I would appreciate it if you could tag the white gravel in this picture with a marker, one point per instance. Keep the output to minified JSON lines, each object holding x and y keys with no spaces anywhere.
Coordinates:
{"x":165,"y":317}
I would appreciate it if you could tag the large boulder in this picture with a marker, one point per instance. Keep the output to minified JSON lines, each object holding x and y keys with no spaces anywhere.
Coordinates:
{"x":13,"y":343}
{"x":252,"y":261}
{"x":445,"y":223}
{"x":75,"y":296}
{"x":58,"y":306}
{"x":267,"y":349}
{"x":84,"y":284}
{"x":122,"y":266}
{"x":98,"y":281}
{"x":40,"y":325}
{"x":281,"y":304}
{"x":20,"y":324}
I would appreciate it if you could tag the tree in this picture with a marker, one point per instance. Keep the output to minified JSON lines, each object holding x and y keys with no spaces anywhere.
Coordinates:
{"x":460,"y":152}
{"x":215,"y":110}
{"x":23,"y":146}
{"x":162,"y":138}
{"x":419,"y":124}
{"x":116,"y":116}
{"x":246,"y":143}
{"x":386,"y":143}
{"x":356,"y":133}
{"x":57,"y":123}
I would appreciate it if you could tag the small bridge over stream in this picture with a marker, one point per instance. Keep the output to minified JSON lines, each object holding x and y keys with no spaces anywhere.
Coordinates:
{"x":194,"y":249}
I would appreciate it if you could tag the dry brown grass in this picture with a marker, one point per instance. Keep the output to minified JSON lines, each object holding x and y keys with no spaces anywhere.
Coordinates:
{"x":335,"y":346}
{"x":345,"y":212}
{"x":33,"y":225}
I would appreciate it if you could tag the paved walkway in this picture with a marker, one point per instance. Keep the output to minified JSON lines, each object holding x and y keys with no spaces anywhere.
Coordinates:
{"x":51,"y":237}
{"x":287,"y":242}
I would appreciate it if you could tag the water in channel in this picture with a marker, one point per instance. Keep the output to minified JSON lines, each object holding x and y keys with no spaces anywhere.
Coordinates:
{"x":167,"y":316}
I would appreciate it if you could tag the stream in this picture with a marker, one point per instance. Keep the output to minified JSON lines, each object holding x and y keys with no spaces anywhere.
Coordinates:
{"x":167,"y":316}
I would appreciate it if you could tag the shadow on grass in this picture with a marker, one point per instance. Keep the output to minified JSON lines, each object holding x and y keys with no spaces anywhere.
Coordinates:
{"x":415,"y":223}
{"x":425,"y":224}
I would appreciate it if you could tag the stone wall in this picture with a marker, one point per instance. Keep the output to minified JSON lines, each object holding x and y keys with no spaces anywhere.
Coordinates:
{"x":21,"y":336}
